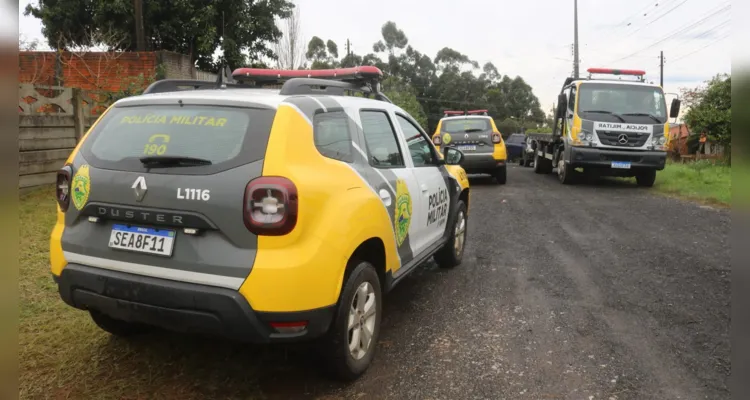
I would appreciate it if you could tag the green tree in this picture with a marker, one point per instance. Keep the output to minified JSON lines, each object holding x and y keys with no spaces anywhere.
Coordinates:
{"x":322,"y":54}
{"x":402,"y":95}
{"x":241,"y":28}
{"x":710,"y":109}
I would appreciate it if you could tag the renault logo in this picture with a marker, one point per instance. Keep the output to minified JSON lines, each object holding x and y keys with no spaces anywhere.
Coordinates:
{"x":139,"y":186}
{"x":466,"y":136}
{"x":622,"y":139}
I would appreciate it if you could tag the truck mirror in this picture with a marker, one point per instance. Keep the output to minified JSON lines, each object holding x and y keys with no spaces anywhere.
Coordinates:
{"x":674,"y":109}
{"x":562,"y":105}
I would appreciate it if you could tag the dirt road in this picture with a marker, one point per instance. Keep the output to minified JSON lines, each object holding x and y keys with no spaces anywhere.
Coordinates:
{"x":625,"y":295}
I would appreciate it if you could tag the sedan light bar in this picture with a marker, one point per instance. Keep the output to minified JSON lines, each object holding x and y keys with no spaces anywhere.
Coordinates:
{"x":354,"y":74}
{"x":448,"y":113}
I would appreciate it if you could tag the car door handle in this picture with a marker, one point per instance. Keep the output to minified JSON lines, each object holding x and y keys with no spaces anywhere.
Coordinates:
{"x":425,"y":189}
{"x":385,"y":197}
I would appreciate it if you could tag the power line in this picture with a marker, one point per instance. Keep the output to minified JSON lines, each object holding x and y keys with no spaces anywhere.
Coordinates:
{"x":659,"y":17}
{"x":719,"y":39}
{"x":618,"y":28}
{"x":675,"y":33}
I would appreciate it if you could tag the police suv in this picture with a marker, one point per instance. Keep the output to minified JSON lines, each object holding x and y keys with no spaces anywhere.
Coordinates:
{"x":256,"y":214}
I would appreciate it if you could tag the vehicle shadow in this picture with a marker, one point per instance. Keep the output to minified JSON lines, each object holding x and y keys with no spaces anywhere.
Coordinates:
{"x":169,"y":365}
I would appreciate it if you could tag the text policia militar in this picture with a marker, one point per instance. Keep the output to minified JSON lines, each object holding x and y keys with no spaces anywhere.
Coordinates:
{"x":173,"y":120}
{"x":437,"y":207}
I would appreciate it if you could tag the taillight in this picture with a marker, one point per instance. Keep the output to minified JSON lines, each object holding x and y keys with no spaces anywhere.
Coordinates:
{"x":436,"y":140}
{"x":496,"y":138}
{"x":270,"y":206}
{"x":62,"y":187}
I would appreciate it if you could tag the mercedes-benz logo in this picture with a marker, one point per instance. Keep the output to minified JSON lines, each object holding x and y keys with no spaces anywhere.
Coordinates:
{"x":139,"y":186}
{"x":622,"y":139}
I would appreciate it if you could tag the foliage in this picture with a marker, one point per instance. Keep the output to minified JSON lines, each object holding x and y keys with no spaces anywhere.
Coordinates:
{"x":450,"y":80}
{"x":402,"y":95}
{"x":541,"y":129}
{"x":322,"y":54}
{"x":243,"y":29}
{"x":710,"y":109}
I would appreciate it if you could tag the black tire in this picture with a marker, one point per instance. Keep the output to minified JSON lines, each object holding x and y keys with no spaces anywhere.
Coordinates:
{"x":566,"y":173}
{"x":501,"y":174}
{"x":449,"y":256}
{"x":521,"y":161}
{"x":646,"y":178}
{"x":118,"y":327}
{"x":342,"y":364}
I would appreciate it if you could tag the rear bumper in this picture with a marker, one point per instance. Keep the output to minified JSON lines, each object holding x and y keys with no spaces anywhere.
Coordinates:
{"x":480,"y":162}
{"x":602,"y":158}
{"x":181,"y":307}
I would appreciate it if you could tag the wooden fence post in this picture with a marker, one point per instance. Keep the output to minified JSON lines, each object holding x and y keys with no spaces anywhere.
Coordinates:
{"x":78,"y":122}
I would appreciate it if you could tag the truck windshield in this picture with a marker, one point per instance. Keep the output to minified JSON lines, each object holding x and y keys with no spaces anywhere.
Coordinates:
{"x":612,"y":101}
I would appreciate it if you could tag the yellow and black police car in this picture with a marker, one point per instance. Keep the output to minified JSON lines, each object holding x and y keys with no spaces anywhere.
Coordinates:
{"x":256,"y":214}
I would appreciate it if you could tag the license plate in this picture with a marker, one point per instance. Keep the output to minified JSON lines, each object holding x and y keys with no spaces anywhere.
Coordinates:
{"x":142,"y":240}
{"x":467,"y":148}
{"x":621,"y":164}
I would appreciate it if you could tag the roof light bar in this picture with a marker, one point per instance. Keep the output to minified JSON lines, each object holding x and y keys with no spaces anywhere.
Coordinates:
{"x":475,"y":112}
{"x":613,"y":71}
{"x":451,"y":112}
{"x":364,"y":72}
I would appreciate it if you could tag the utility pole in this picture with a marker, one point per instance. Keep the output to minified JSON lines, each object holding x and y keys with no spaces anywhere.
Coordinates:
{"x":576,"y":61}
{"x":140,"y":38}
{"x":661,"y":69}
{"x":348,"y":48}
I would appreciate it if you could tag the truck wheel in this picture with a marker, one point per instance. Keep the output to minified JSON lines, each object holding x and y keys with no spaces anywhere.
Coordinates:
{"x":646,"y":178}
{"x":538,"y":167}
{"x":452,"y":252}
{"x":566,"y":173}
{"x":350,"y":343}
{"x":501,"y":174}
{"x":118,"y":327}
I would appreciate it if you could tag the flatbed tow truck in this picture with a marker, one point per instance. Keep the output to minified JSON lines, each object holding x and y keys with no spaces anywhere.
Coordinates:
{"x":606,"y":127}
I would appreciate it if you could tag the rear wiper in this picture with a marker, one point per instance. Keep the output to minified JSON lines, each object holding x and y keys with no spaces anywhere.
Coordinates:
{"x":473,"y":130}
{"x":173,"y":161}
{"x":652,"y":116}
{"x":618,"y":116}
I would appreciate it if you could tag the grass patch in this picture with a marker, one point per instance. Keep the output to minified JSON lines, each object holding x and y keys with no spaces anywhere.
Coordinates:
{"x":699,"y":180}
{"x":62,"y":354}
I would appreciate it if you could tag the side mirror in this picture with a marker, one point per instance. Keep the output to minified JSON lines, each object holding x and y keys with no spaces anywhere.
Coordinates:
{"x":452,"y":155}
{"x":674,"y":109}
{"x":562,"y":105}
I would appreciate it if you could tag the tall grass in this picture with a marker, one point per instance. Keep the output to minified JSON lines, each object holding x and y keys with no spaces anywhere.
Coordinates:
{"x":701,"y":180}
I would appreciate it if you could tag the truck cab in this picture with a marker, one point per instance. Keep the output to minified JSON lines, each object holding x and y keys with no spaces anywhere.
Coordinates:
{"x":608,"y":127}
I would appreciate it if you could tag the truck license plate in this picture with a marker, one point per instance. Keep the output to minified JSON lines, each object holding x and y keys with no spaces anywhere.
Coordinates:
{"x":621,"y":164}
{"x":142,"y":240}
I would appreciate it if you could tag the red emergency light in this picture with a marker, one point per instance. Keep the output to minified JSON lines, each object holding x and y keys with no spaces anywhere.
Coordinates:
{"x":342,"y":74}
{"x":613,"y":71}
{"x":450,"y":112}
{"x":475,"y":112}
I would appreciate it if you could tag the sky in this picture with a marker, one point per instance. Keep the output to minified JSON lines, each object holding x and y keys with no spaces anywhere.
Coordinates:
{"x":533,"y":39}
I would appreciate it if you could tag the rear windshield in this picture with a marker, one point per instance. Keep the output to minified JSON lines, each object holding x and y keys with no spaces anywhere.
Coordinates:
{"x":227,"y":136}
{"x":466,"y":125}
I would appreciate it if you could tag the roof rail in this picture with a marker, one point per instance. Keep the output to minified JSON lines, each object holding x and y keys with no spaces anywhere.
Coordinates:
{"x":336,"y":81}
{"x":223,"y":81}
